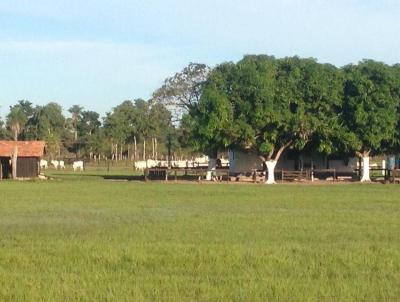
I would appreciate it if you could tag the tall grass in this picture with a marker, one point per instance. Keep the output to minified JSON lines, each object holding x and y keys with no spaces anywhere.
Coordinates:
{"x":95,"y":240}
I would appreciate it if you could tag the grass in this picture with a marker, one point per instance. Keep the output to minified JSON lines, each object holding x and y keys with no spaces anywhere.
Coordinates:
{"x":97,"y":240}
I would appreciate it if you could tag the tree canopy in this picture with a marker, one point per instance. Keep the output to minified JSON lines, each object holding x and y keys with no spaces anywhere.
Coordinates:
{"x":370,"y":106}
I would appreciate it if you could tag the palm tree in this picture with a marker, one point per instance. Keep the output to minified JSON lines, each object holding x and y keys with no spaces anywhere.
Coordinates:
{"x":16,"y":120}
{"x":75,"y":110}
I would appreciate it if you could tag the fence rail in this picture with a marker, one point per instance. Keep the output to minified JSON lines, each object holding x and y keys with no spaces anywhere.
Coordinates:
{"x":197,"y":173}
{"x":295,"y":175}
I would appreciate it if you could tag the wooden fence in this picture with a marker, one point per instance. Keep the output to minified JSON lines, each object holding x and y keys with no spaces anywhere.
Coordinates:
{"x":295,"y":175}
{"x":174,"y":173}
{"x":257,"y":175}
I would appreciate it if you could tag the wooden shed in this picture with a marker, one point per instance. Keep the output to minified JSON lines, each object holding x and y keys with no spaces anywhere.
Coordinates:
{"x":28,"y":158}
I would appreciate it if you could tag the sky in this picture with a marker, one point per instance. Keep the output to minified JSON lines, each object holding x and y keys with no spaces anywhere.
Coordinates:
{"x":98,"y":53}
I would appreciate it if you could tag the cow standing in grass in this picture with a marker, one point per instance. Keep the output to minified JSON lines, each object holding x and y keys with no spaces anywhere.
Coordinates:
{"x":77,"y":165}
{"x":61,"y":164}
{"x":55,"y":163}
{"x":43,"y":164}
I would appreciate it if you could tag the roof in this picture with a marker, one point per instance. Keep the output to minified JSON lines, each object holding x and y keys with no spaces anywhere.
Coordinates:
{"x":25,"y":148}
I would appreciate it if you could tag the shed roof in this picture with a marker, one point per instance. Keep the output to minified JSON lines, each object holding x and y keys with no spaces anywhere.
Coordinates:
{"x":25,"y":148}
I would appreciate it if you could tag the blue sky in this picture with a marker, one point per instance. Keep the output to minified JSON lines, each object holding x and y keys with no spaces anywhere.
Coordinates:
{"x":97,"y":53}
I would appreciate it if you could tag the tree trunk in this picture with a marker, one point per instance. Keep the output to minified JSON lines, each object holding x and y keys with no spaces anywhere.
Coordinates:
{"x":134,"y":148}
{"x":271,"y":164}
{"x":77,"y":150}
{"x":14,"y":162}
{"x":144,"y":149}
{"x":156,"y":147}
{"x":169,"y":151}
{"x":152,"y":147}
{"x":365,"y":177}
{"x":212,"y":165}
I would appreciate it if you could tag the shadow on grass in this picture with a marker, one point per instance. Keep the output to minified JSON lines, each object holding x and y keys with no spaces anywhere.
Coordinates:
{"x":115,"y":177}
{"x":122,"y":177}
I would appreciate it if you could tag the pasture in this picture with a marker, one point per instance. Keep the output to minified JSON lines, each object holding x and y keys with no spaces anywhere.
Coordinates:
{"x":83,"y":238}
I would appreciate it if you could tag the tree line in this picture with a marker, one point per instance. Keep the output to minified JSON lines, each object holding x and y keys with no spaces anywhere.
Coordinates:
{"x":261,"y":104}
{"x":132,"y":130}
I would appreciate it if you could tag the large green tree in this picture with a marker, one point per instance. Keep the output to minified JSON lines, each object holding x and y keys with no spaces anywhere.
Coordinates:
{"x":370,"y":109}
{"x":265,"y":106}
{"x":285,"y":103}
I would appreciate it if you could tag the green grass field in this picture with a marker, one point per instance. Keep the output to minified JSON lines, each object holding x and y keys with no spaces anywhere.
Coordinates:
{"x":83,"y":238}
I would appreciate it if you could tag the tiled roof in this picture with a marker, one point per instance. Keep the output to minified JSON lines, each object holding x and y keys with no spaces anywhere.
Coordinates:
{"x":25,"y":148}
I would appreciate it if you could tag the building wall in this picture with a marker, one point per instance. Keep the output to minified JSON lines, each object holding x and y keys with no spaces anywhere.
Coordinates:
{"x":27,"y":167}
{"x":243,"y":162}
{"x":240,"y":162}
{"x":342,"y":165}
{"x":315,"y":161}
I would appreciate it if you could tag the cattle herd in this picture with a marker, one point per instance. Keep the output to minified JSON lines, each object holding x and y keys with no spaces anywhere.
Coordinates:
{"x":151,"y":163}
{"x":191,"y":163}
{"x":59,"y":164}
{"x":138,"y":165}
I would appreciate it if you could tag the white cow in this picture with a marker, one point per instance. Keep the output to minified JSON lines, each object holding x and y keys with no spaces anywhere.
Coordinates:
{"x":61,"y":164}
{"x":55,"y":163}
{"x":77,"y":165}
{"x":43,"y":164}
{"x":202,"y":159}
{"x":140,"y":165}
{"x":180,"y":163}
{"x":150,"y":163}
